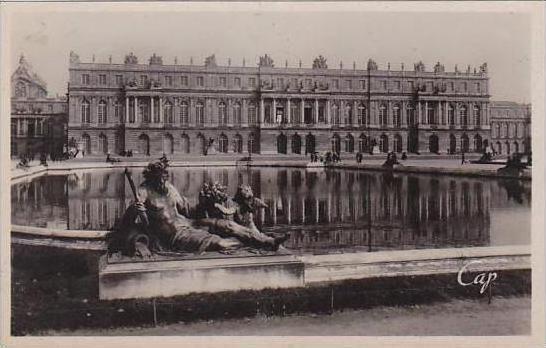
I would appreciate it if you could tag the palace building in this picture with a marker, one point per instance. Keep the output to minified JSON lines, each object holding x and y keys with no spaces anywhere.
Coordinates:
{"x":510,"y":127}
{"x":38,"y":122}
{"x":155,"y":108}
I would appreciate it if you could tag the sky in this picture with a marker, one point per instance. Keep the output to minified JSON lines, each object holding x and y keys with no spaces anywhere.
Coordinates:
{"x":503,"y":40}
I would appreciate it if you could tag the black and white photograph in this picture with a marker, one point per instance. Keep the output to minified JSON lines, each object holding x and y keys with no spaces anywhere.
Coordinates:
{"x":274,"y":174}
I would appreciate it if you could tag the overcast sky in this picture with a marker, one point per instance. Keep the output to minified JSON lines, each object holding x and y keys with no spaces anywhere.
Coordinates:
{"x":500,"y":39}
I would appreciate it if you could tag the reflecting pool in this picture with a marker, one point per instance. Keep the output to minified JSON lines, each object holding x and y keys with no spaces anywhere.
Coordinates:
{"x":324,"y":210}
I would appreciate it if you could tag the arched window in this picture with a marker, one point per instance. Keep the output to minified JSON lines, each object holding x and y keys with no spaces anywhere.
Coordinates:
{"x":499,"y":147}
{"x":223,"y":143}
{"x":86,"y":143}
{"x":463,"y":113}
{"x":512,"y":133}
{"x":349,"y":143}
{"x":102,"y":112}
{"x":200,"y":113}
{"x":168,"y":144}
{"x":336,"y":143}
{"x":103,"y":144}
{"x":238,"y":143}
{"x":237,"y":113}
{"x":397,"y":144}
{"x":184,"y":116}
{"x":384,"y":143}
{"x":251,"y":144}
{"x":507,"y":147}
{"x":520,"y":130}
{"x":478,"y":143}
{"x":505,"y":130}
{"x":222,"y":113}
{"x":496,"y":130}
{"x":410,"y":111}
{"x":281,"y":143}
{"x":363,"y":143}
{"x":296,"y":144}
{"x":252,"y":117}
{"x":361,"y":114}
{"x":20,"y":90}
{"x":168,"y":112}
{"x":86,"y":112}
{"x":396,"y":115}
{"x":383,"y":119}
{"x":516,"y":147}
{"x":185,"y":143}
{"x":452,"y":144}
{"x":477,"y":115}
{"x":144,"y":145}
{"x":465,"y":143}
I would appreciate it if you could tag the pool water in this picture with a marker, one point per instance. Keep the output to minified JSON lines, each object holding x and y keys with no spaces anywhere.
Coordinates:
{"x":323,"y":210}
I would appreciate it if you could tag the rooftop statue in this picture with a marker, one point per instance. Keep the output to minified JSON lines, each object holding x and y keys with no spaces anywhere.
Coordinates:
{"x":439,"y":68}
{"x":210,"y":61}
{"x":156,"y":60}
{"x":266,"y":62}
{"x":74,"y":58}
{"x":320,"y":63}
{"x":160,"y":219}
{"x":372,"y":65}
{"x":483,"y":68}
{"x":419,"y":67}
{"x":131,"y":59}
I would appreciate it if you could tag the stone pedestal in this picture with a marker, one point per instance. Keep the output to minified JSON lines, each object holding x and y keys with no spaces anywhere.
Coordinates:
{"x":171,"y":277}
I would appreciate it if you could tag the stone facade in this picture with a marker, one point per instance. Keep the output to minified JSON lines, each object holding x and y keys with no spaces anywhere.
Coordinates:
{"x":510,"y":127}
{"x":155,"y":108}
{"x":38,"y":123}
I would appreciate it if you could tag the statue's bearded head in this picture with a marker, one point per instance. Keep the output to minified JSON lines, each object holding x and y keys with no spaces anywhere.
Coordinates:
{"x":156,"y":176}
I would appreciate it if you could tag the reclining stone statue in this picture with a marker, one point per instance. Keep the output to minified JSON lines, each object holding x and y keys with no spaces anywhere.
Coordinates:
{"x":161,"y":219}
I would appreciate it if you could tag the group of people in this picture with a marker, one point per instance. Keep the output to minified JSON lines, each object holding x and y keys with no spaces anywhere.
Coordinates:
{"x":161,"y":219}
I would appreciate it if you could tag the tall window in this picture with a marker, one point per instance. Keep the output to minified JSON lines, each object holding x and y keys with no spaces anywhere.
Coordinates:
{"x":102,"y":79}
{"x":349,"y":84}
{"x":252,"y":82}
{"x":200,"y":113}
{"x":169,"y":81}
{"x":86,"y":112}
{"x":118,"y":112}
{"x":184,"y":80}
{"x":451,"y":115}
{"x":237,"y":113}
{"x":295,"y":113}
{"x":223,"y":82}
{"x":347,"y":114}
{"x":200,"y":81}
{"x":143,"y":80}
{"x":463,"y":113}
{"x":184,"y":113}
{"x":383,"y":119}
{"x":168,"y":112}
{"x":396,"y":114}
{"x":237,"y":82}
{"x":85,"y":79}
{"x":477,"y":115}
{"x":252,"y":113}
{"x":336,"y":83}
{"x":431,"y":114}
{"x":335,"y":112}
{"x":362,"y":84}
{"x":222,"y":113}
{"x":102,"y":112}
{"x":119,"y":80}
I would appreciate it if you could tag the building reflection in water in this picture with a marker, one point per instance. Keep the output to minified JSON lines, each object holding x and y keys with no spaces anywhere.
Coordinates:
{"x":324,"y":211}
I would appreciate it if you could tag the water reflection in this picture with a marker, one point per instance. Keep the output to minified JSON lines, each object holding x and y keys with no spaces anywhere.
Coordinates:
{"x":324,"y":211}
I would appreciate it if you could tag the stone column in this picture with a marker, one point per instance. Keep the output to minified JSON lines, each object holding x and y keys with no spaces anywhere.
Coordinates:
{"x":315,"y":116}
{"x":389,"y":114}
{"x":446,"y":121}
{"x":404,"y":114}
{"x":457,"y":114}
{"x":328,"y":115}
{"x":244,"y":112}
{"x":427,"y":116}
{"x":160,"y":109}
{"x":274,"y":113}
{"x":302,"y":111}
{"x":302,"y":210}
{"x":135,"y":107}
{"x":316,"y":210}
{"x":262,"y":111}
{"x":288,"y":113}
{"x":152,"y":108}
{"x":419,"y":120}
{"x":126,"y":110}
{"x":355,"y":113}
{"x":289,"y":210}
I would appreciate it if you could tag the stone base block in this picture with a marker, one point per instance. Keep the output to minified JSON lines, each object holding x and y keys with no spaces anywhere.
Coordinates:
{"x":164,"y":278}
